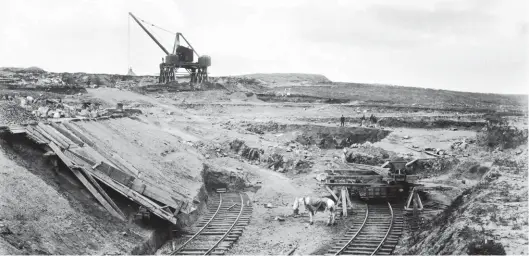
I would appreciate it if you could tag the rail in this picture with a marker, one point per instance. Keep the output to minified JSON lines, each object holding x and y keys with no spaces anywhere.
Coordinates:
{"x":220,"y":228}
{"x":230,"y":229}
{"x":387,"y":232}
{"x":200,"y":231}
{"x":356,"y":234}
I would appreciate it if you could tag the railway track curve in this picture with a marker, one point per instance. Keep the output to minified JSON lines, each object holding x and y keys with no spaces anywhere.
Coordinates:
{"x":228,"y":214}
{"x":376,"y":233}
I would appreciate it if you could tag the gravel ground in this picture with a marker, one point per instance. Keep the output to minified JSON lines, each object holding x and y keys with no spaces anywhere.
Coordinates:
{"x":12,"y":114}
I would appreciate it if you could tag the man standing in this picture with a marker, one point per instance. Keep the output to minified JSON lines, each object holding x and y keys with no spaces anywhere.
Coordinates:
{"x":362,"y":120}
{"x":342,"y":121}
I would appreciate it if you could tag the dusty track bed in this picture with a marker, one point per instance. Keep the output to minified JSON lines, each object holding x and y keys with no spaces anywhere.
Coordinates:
{"x":218,"y":229}
{"x":377,"y":233}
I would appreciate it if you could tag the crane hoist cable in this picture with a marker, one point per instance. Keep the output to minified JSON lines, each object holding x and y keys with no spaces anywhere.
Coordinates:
{"x":128,"y":42}
{"x":158,"y":27}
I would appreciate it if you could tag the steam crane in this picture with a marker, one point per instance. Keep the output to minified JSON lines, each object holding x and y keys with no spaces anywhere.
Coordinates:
{"x":180,"y":57}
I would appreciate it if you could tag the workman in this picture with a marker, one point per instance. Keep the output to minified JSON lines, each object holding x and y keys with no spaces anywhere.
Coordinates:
{"x":342,"y":121}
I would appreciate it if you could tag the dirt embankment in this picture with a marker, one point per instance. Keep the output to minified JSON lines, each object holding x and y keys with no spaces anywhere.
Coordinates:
{"x":490,"y":212}
{"x":48,"y":212}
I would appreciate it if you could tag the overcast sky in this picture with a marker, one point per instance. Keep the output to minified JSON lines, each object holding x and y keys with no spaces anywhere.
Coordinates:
{"x":474,"y":45}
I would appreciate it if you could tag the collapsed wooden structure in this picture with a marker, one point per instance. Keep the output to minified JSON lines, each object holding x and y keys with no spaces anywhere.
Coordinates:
{"x":93,"y":165}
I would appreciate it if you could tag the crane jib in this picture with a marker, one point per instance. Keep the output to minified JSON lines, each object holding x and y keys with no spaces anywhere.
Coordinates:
{"x":149,"y":33}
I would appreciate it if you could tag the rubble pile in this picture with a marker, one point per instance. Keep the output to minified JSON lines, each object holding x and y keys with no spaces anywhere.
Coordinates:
{"x":367,"y":154}
{"x":240,"y":148}
{"x":11,"y":114}
{"x":219,"y":177}
{"x":36,"y":78}
{"x":462,"y":144}
{"x":502,"y":137}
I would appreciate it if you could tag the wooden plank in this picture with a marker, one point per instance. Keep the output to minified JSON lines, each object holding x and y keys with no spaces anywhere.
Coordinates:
{"x":154,"y":192}
{"x":79,"y":134}
{"x":59,"y":135}
{"x":354,"y":176}
{"x":102,"y":191}
{"x":339,"y":201}
{"x":134,"y":196}
{"x":138,"y":185}
{"x":349,"y":198}
{"x":85,"y":182}
{"x":109,"y":156}
{"x":349,"y":184}
{"x":344,"y":202}
{"x":52,"y":138}
{"x":332,"y":193}
{"x":126,"y":164}
{"x":149,"y":190}
{"x":67,"y":134}
{"x":351,"y":172}
{"x":116,"y":174}
{"x":36,"y":135}
{"x":34,"y":132}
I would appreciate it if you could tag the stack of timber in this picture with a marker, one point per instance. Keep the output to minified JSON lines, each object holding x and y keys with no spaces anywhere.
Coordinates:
{"x":93,"y":165}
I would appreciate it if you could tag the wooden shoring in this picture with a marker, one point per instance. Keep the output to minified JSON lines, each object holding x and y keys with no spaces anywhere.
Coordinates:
{"x":134,"y":196}
{"x":57,"y":135}
{"x":348,"y":197}
{"x":48,"y":135}
{"x":67,"y":161}
{"x":78,"y":133}
{"x":332,"y":193}
{"x":102,"y":191}
{"x":30,"y":131}
{"x":111,"y":157}
{"x":344,"y":202}
{"x":140,"y":186}
{"x":67,"y":134}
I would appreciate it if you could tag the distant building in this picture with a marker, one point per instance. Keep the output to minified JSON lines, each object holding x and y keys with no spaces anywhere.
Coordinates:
{"x":131,"y":73}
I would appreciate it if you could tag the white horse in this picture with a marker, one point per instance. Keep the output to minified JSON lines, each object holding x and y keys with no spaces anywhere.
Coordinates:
{"x":313,"y":205}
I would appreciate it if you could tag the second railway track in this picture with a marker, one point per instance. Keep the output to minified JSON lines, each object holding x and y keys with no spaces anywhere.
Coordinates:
{"x":376,"y":232}
{"x":221,"y":227}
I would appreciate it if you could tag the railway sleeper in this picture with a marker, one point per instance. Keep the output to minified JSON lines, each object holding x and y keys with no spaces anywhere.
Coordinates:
{"x":358,"y":251}
{"x":385,"y":250}
{"x":224,"y":230}
{"x":363,"y":246}
{"x":216,"y":233}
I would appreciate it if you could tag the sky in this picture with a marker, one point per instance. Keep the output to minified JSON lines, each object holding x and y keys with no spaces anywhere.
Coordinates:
{"x":463,"y":45}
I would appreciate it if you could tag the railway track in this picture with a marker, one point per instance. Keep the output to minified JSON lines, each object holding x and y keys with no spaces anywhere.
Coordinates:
{"x":220,"y":228}
{"x":376,"y":232}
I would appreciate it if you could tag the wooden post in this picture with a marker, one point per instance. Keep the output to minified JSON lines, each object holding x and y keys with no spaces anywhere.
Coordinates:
{"x":332,"y":193}
{"x":102,"y":191}
{"x":349,"y":198}
{"x":84,"y":181}
{"x":344,"y":202}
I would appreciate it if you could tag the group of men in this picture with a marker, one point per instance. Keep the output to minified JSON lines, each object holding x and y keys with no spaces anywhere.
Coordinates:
{"x":373,"y":120}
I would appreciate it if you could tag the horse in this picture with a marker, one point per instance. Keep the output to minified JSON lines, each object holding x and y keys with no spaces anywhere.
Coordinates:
{"x":314,"y":204}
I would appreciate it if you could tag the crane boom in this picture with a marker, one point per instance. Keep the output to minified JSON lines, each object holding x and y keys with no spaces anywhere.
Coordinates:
{"x":149,"y":33}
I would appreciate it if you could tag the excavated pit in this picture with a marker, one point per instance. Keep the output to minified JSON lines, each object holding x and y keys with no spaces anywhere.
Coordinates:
{"x":324,"y":137}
